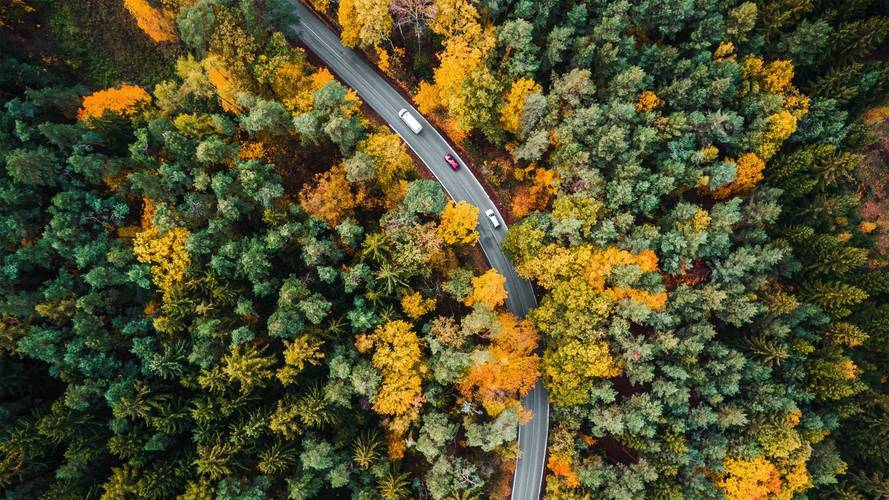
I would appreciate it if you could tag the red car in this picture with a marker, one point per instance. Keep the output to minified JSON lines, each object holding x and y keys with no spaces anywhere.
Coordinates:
{"x":451,"y":161}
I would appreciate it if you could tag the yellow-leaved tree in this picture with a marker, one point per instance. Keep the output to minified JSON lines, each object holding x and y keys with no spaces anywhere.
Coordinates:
{"x":458,"y":223}
{"x":164,"y":250}
{"x":365,"y":22}
{"x":514,"y":104}
{"x":466,"y":47}
{"x":398,"y":357}
{"x":415,"y":305}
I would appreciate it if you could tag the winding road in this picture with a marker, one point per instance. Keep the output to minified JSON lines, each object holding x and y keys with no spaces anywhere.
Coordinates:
{"x":430,"y":147}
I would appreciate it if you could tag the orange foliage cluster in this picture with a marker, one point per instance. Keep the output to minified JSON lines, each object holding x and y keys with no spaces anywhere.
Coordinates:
{"x":251,"y":151}
{"x":560,"y":465}
{"x":749,"y":173}
{"x":536,"y":197}
{"x":648,"y":101}
{"x":506,"y":370}
{"x":488,"y":289}
{"x":158,"y":24}
{"x":124,"y":100}
{"x":330,"y":196}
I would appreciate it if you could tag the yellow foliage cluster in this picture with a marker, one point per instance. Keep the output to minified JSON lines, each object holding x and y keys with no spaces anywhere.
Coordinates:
{"x":775,"y":78}
{"x":298,"y":353}
{"x":397,"y":355}
{"x":321,"y":6}
{"x":467,"y":45}
{"x":648,"y":101}
{"x":570,"y":368}
{"x":458,"y":223}
{"x":166,"y":253}
{"x":124,"y":100}
{"x":514,"y":103}
{"x":488,"y":289}
{"x":387,"y":62}
{"x":158,"y":24}
{"x":749,"y":173}
{"x":709,"y":152}
{"x":779,"y":472}
{"x":725,"y":51}
{"x":749,"y":479}
{"x":415,"y":305}
{"x":364,"y":22}
{"x":554,"y":265}
{"x":391,"y":160}
{"x":427,"y":98}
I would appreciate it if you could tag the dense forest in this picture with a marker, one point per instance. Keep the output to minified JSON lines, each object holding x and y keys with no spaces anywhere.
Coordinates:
{"x":234,"y":283}
{"x":222,"y":275}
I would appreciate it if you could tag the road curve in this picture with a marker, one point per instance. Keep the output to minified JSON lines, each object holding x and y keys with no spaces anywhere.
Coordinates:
{"x":430,"y":147}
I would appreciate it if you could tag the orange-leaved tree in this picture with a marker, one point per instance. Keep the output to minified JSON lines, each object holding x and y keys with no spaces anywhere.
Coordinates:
{"x":488,"y":289}
{"x":535,"y":197}
{"x":125,"y":100}
{"x":506,"y":370}
{"x":329,"y":197}
{"x":158,"y":24}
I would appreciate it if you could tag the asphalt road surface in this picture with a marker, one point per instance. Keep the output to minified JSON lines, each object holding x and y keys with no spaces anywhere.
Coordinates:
{"x":430,"y":147}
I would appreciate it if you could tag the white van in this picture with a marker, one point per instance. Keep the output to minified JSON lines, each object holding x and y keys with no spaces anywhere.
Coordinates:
{"x":410,"y":121}
{"x":493,"y":218}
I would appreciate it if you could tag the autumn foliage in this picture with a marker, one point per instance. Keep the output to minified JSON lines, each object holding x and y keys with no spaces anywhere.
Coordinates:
{"x":124,"y":100}
{"x":458,"y":223}
{"x":397,"y":355}
{"x":330,"y":197}
{"x":488,"y":289}
{"x":166,"y":252}
{"x":514,"y":103}
{"x":506,"y":370}
{"x":159,"y":24}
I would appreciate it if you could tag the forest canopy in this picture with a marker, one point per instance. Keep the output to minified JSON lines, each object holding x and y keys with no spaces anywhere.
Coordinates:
{"x":223,"y":276}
